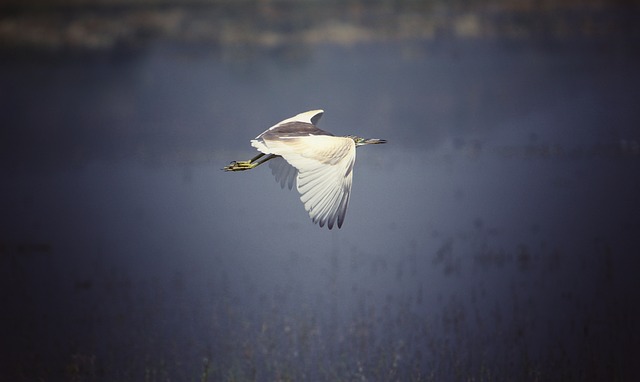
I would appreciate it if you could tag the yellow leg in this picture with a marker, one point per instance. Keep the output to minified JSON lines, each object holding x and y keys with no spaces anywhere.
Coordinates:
{"x":248,"y":164}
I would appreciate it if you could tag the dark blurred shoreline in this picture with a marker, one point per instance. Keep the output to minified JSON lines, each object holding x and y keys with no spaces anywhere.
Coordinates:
{"x":81,"y":26}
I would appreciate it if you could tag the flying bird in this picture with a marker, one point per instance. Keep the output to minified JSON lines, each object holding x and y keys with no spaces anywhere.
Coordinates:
{"x":318,"y":162}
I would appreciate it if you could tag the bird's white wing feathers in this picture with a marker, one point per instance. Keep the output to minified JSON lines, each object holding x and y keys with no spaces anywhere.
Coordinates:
{"x":324,"y":167}
{"x":284,"y":173}
{"x":311,"y":117}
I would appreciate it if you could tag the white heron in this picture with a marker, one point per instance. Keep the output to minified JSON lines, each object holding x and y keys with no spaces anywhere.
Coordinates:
{"x":320,"y":164}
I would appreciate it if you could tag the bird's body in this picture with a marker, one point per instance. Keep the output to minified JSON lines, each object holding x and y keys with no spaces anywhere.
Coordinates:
{"x":320,"y":164}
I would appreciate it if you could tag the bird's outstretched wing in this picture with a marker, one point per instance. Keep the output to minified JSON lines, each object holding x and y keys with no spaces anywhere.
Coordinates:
{"x":301,"y":125}
{"x":284,"y":173}
{"x":324,"y":165}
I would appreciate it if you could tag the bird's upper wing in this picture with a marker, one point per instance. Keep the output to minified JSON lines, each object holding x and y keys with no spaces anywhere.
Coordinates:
{"x":324,"y":164}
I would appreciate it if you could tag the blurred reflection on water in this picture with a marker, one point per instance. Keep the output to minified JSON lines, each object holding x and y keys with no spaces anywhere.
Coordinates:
{"x":493,"y":238}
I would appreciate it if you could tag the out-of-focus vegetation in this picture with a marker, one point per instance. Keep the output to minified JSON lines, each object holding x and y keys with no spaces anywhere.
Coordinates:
{"x":103,"y":25}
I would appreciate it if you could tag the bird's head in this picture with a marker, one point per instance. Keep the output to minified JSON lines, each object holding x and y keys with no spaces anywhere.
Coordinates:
{"x":364,"y":141}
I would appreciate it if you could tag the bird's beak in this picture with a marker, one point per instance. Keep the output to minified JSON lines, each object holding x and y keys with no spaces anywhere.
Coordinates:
{"x":374,"y":141}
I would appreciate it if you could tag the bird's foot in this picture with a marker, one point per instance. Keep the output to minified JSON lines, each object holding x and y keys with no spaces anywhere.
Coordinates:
{"x":239,"y":166}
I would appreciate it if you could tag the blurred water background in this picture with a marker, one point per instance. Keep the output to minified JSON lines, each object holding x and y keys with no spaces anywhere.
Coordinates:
{"x":495,"y":237}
